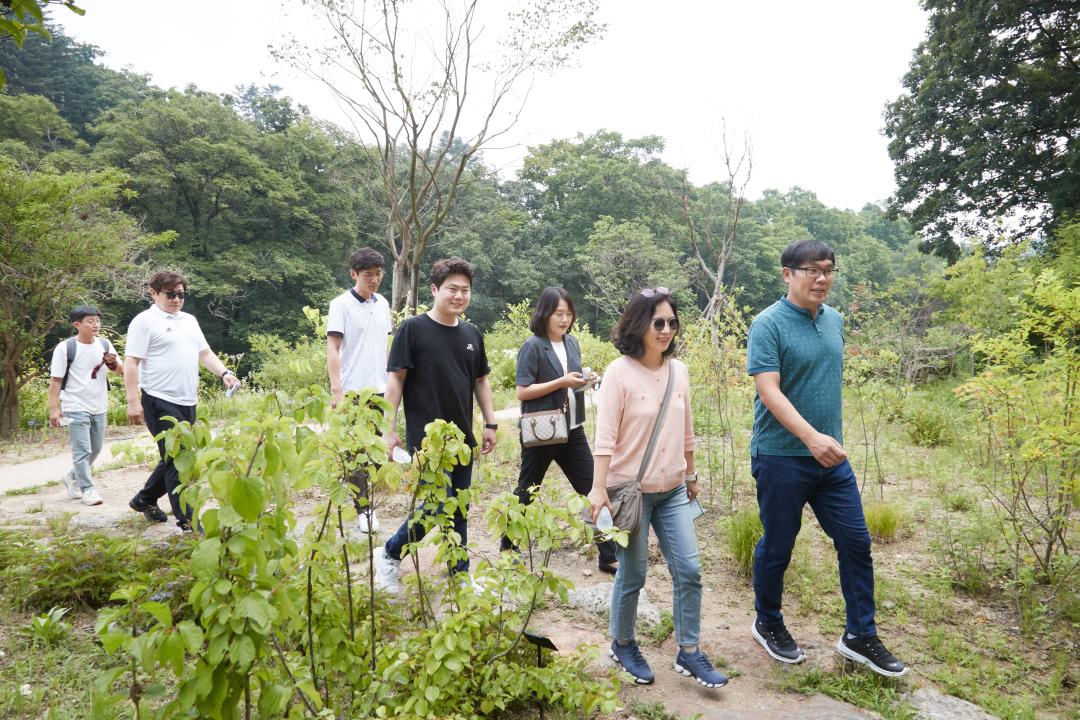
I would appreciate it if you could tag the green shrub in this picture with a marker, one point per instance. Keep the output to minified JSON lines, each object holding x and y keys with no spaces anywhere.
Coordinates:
{"x":959,"y":502}
{"x":743,"y":530}
{"x":967,"y":552}
{"x":78,"y":570}
{"x":49,"y":628}
{"x":883,"y":520}
{"x":928,"y":425}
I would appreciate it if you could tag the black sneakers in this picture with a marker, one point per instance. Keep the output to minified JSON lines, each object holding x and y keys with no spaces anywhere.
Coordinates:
{"x":778,"y":642}
{"x":871,"y":652}
{"x":152,"y":512}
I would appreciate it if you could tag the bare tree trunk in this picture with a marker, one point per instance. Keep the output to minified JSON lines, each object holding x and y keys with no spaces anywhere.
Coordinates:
{"x":9,"y":402}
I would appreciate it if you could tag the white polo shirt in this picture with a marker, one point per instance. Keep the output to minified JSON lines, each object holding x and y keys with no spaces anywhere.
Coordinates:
{"x":82,"y":393}
{"x":168,"y":345}
{"x":363,"y":326}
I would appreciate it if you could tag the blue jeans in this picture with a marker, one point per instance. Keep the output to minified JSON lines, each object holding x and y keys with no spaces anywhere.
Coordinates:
{"x":87,"y":438}
{"x":669,"y":515}
{"x":411,"y":532}
{"x":784,"y":485}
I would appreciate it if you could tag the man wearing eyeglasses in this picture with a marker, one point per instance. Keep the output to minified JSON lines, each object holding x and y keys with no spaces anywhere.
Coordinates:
{"x":161,"y":372}
{"x":79,"y":395}
{"x":796,"y":357}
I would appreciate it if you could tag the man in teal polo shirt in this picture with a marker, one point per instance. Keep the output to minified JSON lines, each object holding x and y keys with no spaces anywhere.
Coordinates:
{"x":796,"y":357}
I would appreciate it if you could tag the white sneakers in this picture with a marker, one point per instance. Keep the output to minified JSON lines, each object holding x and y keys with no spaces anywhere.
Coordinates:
{"x":363,"y":524}
{"x":73,"y":490}
{"x":91,"y":497}
{"x":387,"y":571}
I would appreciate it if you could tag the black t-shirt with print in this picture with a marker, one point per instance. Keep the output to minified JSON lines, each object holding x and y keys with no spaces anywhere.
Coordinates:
{"x":443,"y":365}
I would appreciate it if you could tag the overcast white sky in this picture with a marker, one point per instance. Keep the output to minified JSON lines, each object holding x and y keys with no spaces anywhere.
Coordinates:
{"x":808,"y":80}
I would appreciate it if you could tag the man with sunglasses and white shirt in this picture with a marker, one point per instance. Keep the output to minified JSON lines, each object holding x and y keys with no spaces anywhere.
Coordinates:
{"x":161,"y":372}
{"x":795,"y":353}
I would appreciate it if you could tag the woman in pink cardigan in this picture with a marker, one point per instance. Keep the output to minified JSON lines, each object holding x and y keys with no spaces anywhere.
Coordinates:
{"x":629,"y":401}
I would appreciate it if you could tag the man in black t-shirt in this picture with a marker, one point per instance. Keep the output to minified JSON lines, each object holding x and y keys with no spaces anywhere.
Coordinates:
{"x":436,"y":364}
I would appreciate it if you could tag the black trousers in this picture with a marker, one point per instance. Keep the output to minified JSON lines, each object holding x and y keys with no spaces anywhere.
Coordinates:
{"x":165,"y":478}
{"x":574,"y":458}
{"x":359,"y":479}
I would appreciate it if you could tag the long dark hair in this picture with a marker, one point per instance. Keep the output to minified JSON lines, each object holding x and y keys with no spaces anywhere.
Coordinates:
{"x":629,"y":334}
{"x":546,"y":305}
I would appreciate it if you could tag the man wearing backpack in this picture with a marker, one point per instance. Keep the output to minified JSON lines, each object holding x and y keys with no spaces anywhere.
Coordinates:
{"x":79,"y":393}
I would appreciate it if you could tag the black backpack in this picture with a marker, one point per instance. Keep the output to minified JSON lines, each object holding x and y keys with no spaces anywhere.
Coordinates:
{"x":71,"y":347}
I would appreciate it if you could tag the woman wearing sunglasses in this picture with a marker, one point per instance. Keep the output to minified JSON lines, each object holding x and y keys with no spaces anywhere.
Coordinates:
{"x":631,"y":402}
{"x":550,"y":377}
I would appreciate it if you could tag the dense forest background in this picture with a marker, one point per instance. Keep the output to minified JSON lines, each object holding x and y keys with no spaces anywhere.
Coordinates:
{"x":265,"y":202}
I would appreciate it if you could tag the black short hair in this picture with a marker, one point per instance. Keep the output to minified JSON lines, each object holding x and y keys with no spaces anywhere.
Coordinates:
{"x":806,"y":250}
{"x":628,"y":335}
{"x":83,"y":311}
{"x":546,"y":305}
{"x":441,"y":269}
{"x":366,"y":258}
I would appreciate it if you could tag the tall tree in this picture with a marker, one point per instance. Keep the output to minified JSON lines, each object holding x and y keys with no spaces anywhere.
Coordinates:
{"x":20,"y":18}
{"x":424,"y":117}
{"x":988,"y":127}
{"x":254,"y":212}
{"x":62,"y":241}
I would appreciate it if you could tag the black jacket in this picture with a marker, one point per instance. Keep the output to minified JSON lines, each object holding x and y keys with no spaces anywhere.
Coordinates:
{"x":538,"y":363}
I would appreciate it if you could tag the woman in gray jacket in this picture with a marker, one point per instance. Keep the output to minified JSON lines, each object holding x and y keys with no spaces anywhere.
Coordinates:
{"x":549,"y":377}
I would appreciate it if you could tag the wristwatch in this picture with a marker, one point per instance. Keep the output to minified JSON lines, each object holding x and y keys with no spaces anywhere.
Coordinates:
{"x":689,"y":477}
{"x":491,"y":426}
{"x":227,"y":372}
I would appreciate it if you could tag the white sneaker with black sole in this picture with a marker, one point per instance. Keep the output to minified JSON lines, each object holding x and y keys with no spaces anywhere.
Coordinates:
{"x":872,"y":653}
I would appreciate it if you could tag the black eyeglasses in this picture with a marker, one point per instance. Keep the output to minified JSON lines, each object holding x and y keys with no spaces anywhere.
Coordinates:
{"x":173,"y":294}
{"x":652,"y":292}
{"x":658,"y":324}
{"x":815,"y":273}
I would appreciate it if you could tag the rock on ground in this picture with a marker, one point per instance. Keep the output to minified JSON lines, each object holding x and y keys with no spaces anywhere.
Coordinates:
{"x":932,"y":705}
{"x":597,"y":599}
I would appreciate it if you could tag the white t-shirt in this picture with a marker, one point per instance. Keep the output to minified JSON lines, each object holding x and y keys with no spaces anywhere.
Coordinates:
{"x":560,"y":352}
{"x":363,"y":326}
{"x":82,"y":393}
{"x":168,"y":345}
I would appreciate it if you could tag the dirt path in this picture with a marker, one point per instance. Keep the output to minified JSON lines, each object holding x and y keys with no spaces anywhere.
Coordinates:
{"x":727,"y":602}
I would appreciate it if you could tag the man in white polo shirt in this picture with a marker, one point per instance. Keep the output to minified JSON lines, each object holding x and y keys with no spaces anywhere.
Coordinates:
{"x":79,"y":393}
{"x":161,"y":374}
{"x":357,"y":326}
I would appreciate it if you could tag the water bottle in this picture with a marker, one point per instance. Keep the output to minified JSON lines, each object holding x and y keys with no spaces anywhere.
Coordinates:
{"x":604,"y":522}
{"x":400,"y":455}
{"x":230,"y":391}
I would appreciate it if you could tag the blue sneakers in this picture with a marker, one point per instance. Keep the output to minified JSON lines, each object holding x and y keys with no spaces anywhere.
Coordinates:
{"x":630,"y":659}
{"x":697,"y":666}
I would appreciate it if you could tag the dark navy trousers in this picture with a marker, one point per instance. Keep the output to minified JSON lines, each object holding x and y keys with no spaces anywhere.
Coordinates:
{"x":784,"y":486}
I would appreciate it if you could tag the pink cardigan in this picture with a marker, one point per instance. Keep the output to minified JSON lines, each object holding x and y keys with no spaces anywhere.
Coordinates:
{"x":629,"y":401}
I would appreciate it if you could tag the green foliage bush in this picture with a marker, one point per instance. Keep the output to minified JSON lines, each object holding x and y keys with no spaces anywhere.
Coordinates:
{"x":79,"y":570}
{"x":927,"y":425}
{"x":884,"y":520}
{"x":968,"y":553}
{"x":742,"y":531}
{"x":285,"y":367}
{"x":282,"y":622}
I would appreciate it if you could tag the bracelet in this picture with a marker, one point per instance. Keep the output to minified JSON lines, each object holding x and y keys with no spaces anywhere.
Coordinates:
{"x":689,"y":477}
{"x":491,"y":426}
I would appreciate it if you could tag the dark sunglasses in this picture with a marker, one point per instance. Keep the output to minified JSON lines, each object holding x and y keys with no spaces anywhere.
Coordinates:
{"x":173,"y":294}
{"x":659,"y":324}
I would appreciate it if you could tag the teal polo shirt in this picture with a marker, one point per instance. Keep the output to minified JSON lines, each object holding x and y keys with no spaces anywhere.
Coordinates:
{"x":809,"y":355}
